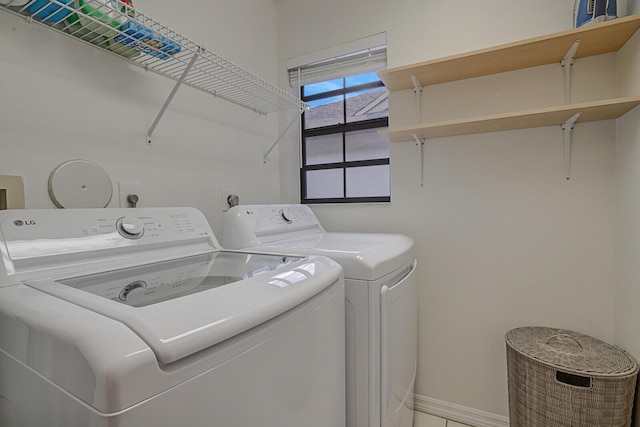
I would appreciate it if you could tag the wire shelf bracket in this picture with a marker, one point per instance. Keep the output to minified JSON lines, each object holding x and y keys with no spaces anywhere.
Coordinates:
{"x":295,"y":120}
{"x":148,"y":139}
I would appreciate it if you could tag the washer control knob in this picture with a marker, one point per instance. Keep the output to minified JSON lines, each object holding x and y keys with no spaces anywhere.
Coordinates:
{"x":129,"y":227}
{"x":124,"y":293}
{"x":285,"y":216}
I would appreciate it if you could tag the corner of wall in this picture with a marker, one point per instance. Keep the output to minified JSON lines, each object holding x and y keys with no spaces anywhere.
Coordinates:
{"x":628,"y":67}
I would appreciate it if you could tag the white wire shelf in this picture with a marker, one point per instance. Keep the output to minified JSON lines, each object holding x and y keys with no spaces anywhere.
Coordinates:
{"x":121,"y":30}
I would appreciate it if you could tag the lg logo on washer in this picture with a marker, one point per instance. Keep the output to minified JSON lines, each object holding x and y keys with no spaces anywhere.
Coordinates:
{"x":20,"y":222}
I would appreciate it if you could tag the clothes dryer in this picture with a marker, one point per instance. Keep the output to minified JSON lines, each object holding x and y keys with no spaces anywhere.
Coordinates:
{"x":381,"y":306}
{"x":136,"y":318}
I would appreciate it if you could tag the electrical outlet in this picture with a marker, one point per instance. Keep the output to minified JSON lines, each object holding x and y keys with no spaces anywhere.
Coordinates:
{"x":126,"y":188}
{"x":226,"y":192}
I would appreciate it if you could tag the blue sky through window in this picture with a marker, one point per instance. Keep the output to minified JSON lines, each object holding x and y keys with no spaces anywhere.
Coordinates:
{"x":326,"y":86}
{"x":362,"y":79}
{"x":329,"y":85}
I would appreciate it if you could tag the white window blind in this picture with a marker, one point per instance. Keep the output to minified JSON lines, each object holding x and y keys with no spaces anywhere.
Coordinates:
{"x":357,"y":57}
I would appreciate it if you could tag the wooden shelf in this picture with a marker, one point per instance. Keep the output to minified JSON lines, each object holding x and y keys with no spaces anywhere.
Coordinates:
{"x":594,"y":39}
{"x":591,"y":111}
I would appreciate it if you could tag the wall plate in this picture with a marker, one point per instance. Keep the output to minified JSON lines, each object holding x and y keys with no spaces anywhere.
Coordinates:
{"x":11,"y":192}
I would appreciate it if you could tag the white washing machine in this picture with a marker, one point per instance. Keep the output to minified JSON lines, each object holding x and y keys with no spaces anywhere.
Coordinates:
{"x":135,"y":318}
{"x":381,"y":309}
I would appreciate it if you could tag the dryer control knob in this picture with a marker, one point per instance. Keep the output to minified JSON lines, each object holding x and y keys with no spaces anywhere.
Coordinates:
{"x":131,"y":228}
{"x":285,"y":216}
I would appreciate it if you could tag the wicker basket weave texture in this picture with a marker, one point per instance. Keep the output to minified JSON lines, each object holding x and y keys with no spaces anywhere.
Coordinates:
{"x":563,"y":378}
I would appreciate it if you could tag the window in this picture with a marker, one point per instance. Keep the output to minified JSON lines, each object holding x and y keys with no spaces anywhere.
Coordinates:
{"x":344,"y":159}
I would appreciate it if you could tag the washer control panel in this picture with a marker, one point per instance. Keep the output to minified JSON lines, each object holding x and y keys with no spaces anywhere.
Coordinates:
{"x":32,"y":236}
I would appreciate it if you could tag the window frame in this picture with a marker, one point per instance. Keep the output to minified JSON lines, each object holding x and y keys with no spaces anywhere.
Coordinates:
{"x":343,"y":129}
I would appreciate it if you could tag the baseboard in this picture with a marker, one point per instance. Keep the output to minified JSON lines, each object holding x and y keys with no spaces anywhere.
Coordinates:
{"x":458,"y":413}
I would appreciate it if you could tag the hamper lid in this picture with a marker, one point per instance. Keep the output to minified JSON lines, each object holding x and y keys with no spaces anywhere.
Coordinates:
{"x":571,"y":351}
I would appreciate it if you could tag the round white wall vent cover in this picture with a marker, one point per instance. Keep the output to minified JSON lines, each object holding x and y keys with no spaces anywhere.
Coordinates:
{"x":80,"y":184}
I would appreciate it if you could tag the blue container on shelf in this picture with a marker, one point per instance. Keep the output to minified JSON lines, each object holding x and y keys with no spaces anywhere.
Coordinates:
{"x":612,"y":10}
{"x":589,"y":11}
{"x":50,"y":11}
{"x":144,"y":39}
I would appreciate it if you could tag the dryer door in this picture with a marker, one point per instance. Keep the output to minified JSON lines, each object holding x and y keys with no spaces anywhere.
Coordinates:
{"x":399,"y":349}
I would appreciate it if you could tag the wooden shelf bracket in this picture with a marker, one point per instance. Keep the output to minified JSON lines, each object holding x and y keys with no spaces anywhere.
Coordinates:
{"x":417,"y":94}
{"x":567,"y":127}
{"x":420,"y":145}
{"x":567,"y":63}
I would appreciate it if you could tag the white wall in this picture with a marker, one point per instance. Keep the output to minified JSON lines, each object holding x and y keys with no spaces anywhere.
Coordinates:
{"x":62,"y":100}
{"x":627,"y":297}
{"x":502,"y":239}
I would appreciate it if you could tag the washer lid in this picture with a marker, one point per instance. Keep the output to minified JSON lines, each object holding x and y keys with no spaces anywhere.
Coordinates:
{"x":363,"y":256}
{"x":182,"y":306}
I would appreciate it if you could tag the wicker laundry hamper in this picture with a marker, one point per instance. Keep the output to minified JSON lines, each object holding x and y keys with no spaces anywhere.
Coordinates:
{"x":564,"y":378}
